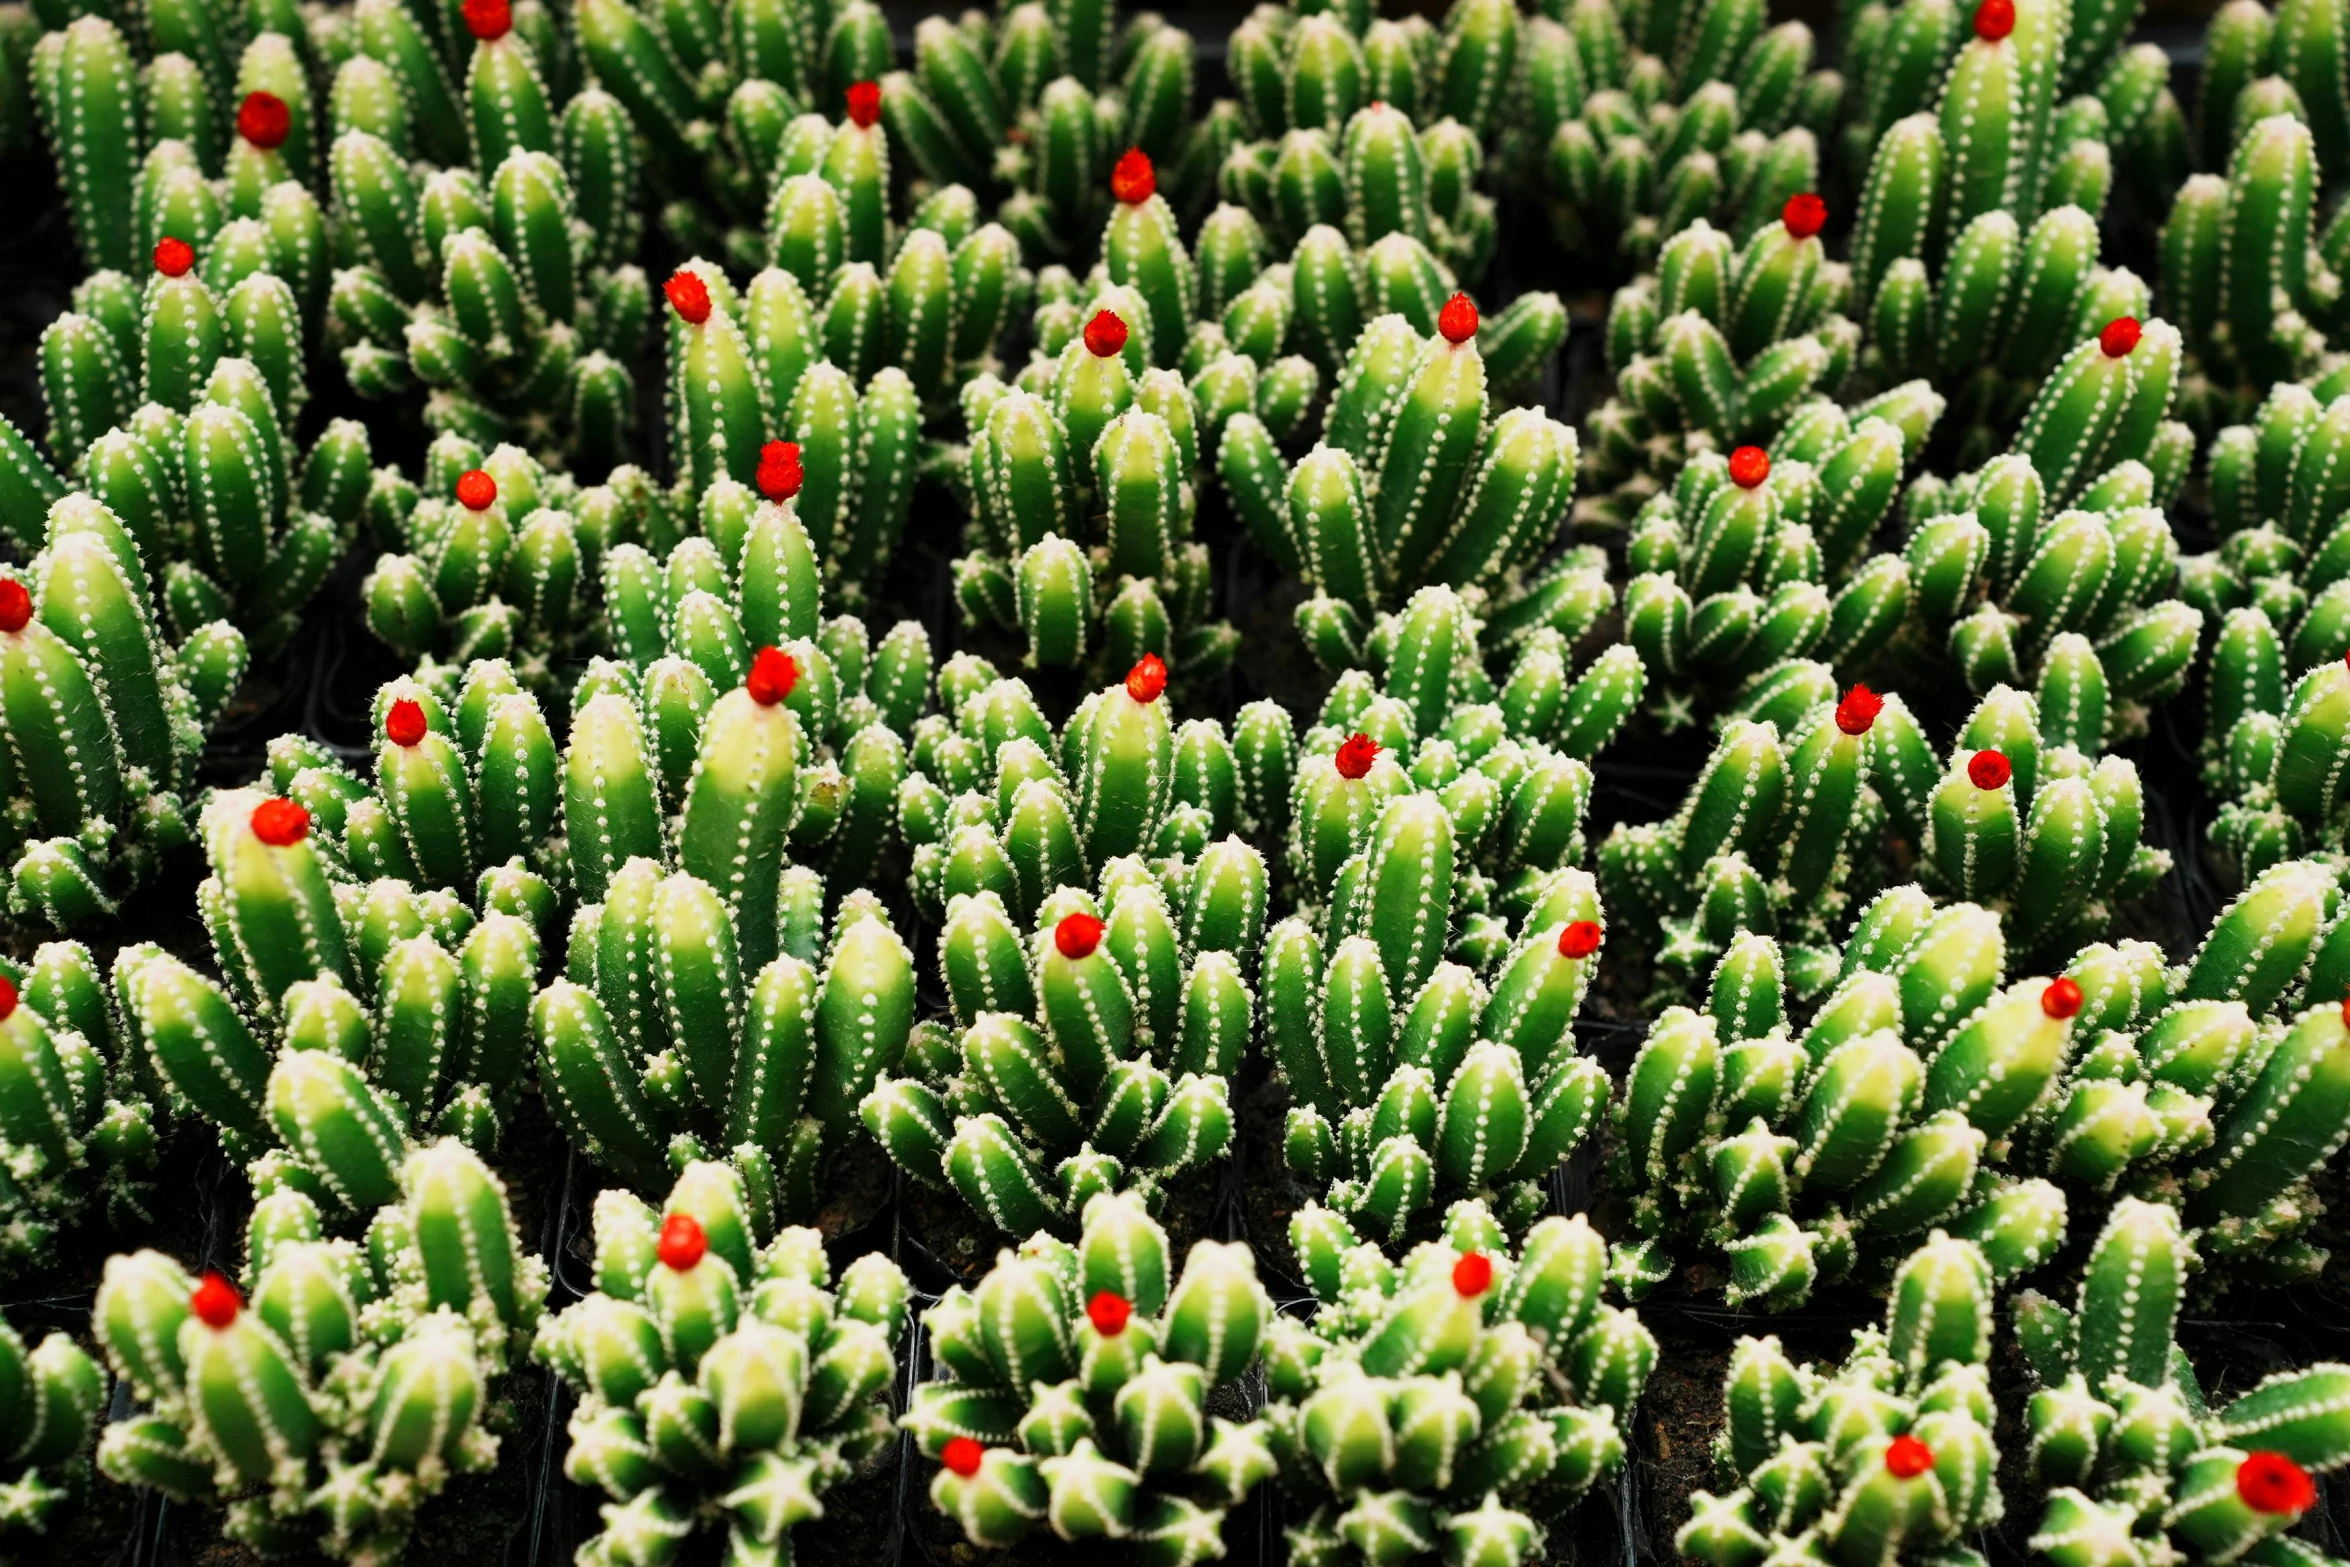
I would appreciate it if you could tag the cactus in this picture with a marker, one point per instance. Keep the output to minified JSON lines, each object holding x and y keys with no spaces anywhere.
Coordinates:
{"x":1073,"y":1390}
{"x":1633,"y":134}
{"x":1886,"y":1458}
{"x":350,"y":1017}
{"x":1094,"y":431}
{"x":104,"y":717}
{"x":1905,"y":1106}
{"x":338,"y":1391}
{"x":1778,"y":837}
{"x":75,"y":1123}
{"x":693,"y":1023}
{"x":2132,"y":1459}
{"x":1452,"y":1403}
{"x":725,"y":1379}
{"x":55,"y":1394}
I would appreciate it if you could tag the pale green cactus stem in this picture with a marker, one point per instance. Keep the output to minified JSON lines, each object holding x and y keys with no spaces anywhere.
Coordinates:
{"x":1093,"y":1062}
{"x":239,"y":1381}
{"x":1434,"y":1401}
{"x":1889,"y":1456}
{"x":1072,"y":1385}
{"x":726,"y":1378}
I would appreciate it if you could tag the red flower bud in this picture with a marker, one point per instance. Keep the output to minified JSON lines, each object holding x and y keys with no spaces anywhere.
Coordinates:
{"x":1906,"y":1458}
{"x":2272,"y":1483}
{"x":1458,"y":319}
{"x":683,"y":1242}
{"x":1105,"y":334}
{"x":864,"y":104}
{"x":1749,"y":466}
{"x":1994,"y":20}
{"x":1805,"y":215}
{"x":1077,"y":935}
{"x":1472,"y":1276}
{"x":1134,"y":181}
{"x":16,"y":605}
{"x":280,"y":823}
{"x":7,"y":998}
{"x":1109,"y":1311}
{"x":476,"y":490}
{"x":962,"y":1454}
{"x":780,"y":473}
{"x":215,"y":1301}
{"x":1355,"y":756}
{"x":773,"y":674}
{"x":1988,"y":770}
{"x":173,"y":257}
{"x":689,"y":296}
{"x":488,"y":19}
{"x":1857,"y":713}
{"x":1147,"y":680}
{"x":404,"y":724}
{"x":2062,"y":998}
{"x":264,"y":120}
{"x":2121,"y":334}
{"x":1580,"y":939}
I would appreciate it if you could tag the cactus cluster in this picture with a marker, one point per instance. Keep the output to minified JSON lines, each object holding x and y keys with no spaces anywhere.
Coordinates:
{"x":344,"y":1384}
{"x":1888,"y":1457}
{"x":1434,"y":1405}
{"x":817,"y":496}
{"x":1073,"y":1390}
{"x":726,"y":1381}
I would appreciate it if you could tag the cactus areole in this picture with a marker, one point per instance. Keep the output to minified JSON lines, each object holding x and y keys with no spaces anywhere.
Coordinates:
{"x":773,"y":674}
{"x":264,"y":120}
{"x":280,"y":823}
{"x":1134,"y":181}
{"x":2272,"y":1483}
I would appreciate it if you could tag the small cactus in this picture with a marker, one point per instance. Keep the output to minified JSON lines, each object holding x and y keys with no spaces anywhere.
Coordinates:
{"x":1073,"y":1390}
{"x":726,"y":1380}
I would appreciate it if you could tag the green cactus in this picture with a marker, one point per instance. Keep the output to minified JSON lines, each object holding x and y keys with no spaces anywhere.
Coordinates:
{"x":1072,"y":1390}
{"x":726,"y":1380}
{"x":1888,"y":1457}
{"x":335,"y":1394}
{"x":1448,"y":1404}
